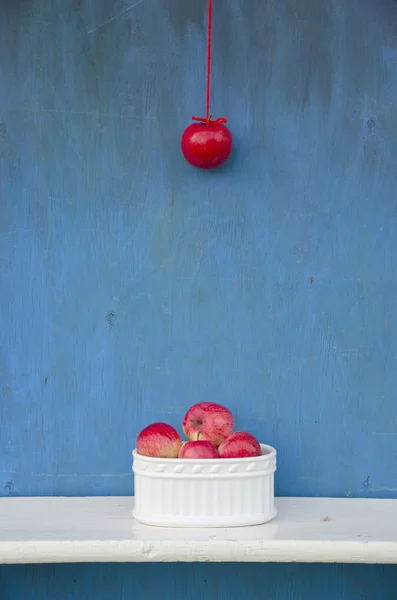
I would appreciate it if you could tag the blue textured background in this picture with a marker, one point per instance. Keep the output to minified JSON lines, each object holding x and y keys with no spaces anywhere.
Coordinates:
{"x":133,"y":285}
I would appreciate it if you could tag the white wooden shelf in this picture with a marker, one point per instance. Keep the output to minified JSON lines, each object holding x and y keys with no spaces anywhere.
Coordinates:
{"x":60,"y":530}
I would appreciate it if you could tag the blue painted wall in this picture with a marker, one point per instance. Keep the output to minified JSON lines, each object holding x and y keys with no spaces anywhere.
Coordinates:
{"x":133,"y":285}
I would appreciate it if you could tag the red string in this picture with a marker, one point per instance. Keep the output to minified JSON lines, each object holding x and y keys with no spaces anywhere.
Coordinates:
{"x":209,"y":48}
{"x":207,"y":119}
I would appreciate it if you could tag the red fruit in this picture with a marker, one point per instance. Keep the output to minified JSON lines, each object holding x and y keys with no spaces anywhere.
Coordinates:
{"x":208,"y":421}
{"x":199,"y":449}
{"x":206,"y":146}
{"x":240,"y":445}
{"x":159,"y":440}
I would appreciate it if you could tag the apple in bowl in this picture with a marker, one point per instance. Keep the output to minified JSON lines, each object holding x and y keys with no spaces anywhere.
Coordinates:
{"x":208,"y":421}
{"x":159,"y":440}
{"x":240,"y":445}
{"x":198,"y":450}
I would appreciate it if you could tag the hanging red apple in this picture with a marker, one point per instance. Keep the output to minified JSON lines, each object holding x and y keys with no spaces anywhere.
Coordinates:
{"x":207,"y":145}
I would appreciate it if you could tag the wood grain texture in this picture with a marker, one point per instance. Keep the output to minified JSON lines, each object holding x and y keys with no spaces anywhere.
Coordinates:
{"x":133,"y":285}
{"x":200,"y":581}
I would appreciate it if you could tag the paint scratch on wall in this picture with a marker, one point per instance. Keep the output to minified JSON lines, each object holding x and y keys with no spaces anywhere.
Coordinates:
{"x":120,"y":14}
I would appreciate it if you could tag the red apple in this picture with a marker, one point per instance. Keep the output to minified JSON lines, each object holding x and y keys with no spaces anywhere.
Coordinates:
{"x":159,"y":440}
{"x":200,"y":449}
{"x":208,"y":421}
{"x":206,"y":146}
{"x":240,"y":445}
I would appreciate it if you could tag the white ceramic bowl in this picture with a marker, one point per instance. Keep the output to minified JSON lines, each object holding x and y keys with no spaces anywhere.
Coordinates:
{"x":217,"y":492}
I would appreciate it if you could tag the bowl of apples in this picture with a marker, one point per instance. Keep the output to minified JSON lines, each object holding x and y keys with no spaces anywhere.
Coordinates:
{"x":219,"y":477}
